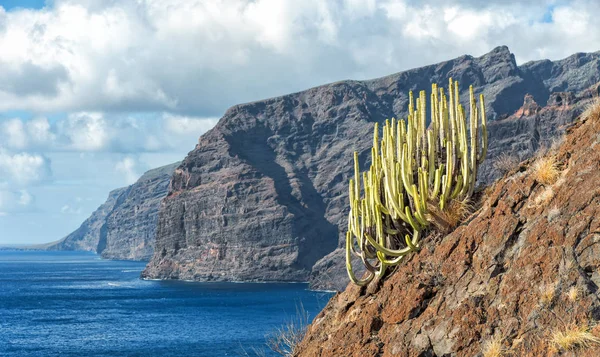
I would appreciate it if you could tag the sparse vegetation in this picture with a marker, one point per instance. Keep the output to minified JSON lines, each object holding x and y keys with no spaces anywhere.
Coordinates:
{"x":545,"y":170}
{"x":547,"y":294}
{"x":592,"y":110}
{"x":420,"y":177}
{"x":494,"y":348}
{"x":573,"y":336}
{"x":285,"y":339}
{"x":573,"y":294}
{"x":457,"y":211}
{"x":505,"y":163}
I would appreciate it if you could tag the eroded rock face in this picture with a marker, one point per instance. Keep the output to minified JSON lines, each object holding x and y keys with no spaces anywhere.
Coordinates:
{"x":509,"y":272}
{"x":124,"y":227}
{"x":263,"y":196}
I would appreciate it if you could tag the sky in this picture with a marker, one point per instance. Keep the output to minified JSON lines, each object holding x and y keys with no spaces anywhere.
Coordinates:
{"x":95,"y":92}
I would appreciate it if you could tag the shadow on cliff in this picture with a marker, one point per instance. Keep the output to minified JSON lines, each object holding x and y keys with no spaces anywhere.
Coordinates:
{"x":315,"y":235}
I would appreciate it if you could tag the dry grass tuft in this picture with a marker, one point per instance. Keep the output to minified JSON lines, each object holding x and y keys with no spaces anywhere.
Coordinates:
{"x":547,"y":294}
{"x":545,"y":170}
{"x":573,"y":294}
{"x":285,"y":339}
{"x":494,"y":348}
{"x":459,"y":210}
{"x":451,"y":216}
{"x":592,"y":110}
{"x":505,"y":163}
{"x":572,"y":337}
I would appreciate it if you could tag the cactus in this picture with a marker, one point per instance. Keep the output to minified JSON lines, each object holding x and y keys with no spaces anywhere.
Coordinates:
{"x":416,"y":172}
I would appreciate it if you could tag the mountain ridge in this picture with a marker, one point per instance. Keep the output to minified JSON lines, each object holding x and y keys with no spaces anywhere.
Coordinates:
{"x":262,"y":195}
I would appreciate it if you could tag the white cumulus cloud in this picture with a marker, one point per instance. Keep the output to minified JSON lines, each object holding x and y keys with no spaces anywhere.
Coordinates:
{"x":104,"y":132}
{"x":198,"y":57}
{"x":23,"y":169}
{"x":128,"y":167}
{"x":180,"y":125}
{"x":12,"y":201}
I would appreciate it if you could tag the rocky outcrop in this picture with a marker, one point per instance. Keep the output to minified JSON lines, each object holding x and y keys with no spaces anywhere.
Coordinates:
{"x":263,"y":196}
{"x":523,"y":267}
{"x":124,"y":227}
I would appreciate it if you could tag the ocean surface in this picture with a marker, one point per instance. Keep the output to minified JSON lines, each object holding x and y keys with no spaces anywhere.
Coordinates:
{"x":75,"y":304}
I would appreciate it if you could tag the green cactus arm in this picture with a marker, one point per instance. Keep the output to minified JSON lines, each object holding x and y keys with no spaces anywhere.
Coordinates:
{"x":356,"y":176}
{"x":458,"y":188}
{"x":400,"y":186}
{"x":365,"y":260}
{"x":447,"y":185}
{"x":451,"y":112}
{"x":400,"y":139}
{"x":484,"y":135}
{"x":444,"y":126}
{"x":408,"y":151}
{"x":474,"y":120}
{"x":419,"y":212}
{"x":385,"y":250}
{"x":406,"y":171}
{"x":396,"y":208}
{"x":464,"y":154}
{"x":367,"y":254}
{"x":353,"y":278}
{"x":375,"y":143}
{"x":411,"y":219}
{"x":422,"y":185}
{"x":396,"y":260}
{"x":389,"y":262}
{"x":437,"y":182}
{"x":431,"y":142}
{"x":413,"y":243}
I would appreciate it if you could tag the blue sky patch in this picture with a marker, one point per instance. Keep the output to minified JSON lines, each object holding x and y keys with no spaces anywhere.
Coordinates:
{"x":547,"y":17}
{"x":27,"y":4}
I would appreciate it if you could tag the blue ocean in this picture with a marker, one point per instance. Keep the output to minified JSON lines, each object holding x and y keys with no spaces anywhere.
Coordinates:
{"x":75,"y":304}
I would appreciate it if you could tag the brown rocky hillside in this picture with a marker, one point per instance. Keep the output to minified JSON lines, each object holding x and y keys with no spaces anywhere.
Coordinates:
{"x":523,"y":268}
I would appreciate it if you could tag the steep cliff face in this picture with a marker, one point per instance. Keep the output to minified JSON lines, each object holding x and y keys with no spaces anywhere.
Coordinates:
{"x":522,"y":268}
{"x":263,"y":194}
{"x":124,"y":227}
{"x":131,"y":226}
{"x":87,"y":236}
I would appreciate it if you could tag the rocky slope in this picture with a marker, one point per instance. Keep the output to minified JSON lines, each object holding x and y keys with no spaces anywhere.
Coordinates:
{"x":263,"y":194}
{"x":524,"y":266}
{"x":124,"y":226}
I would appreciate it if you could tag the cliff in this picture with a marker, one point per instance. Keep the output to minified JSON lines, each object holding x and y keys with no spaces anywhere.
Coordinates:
{"x":263,"y":196}
{"x":519,"y":272}
{"x":123,"y":227}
